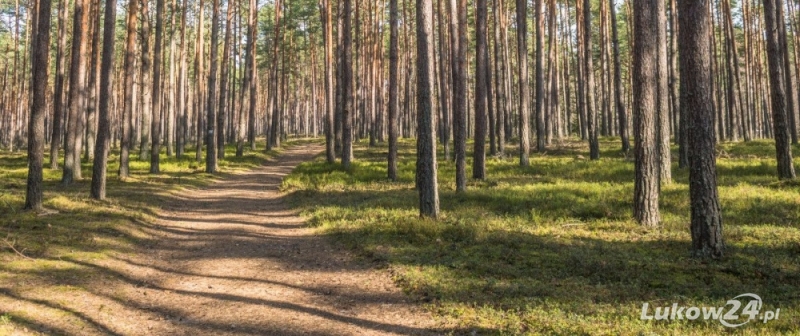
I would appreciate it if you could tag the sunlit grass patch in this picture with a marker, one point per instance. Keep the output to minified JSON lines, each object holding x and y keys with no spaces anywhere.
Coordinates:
{"x":46,"y":252}
{"x":552,"y":248}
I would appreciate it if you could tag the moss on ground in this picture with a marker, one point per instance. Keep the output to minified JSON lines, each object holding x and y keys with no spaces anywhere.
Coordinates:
{"x":552,"y":248}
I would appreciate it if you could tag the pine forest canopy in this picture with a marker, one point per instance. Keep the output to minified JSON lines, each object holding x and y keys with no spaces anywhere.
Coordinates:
{"x":151,"y":76}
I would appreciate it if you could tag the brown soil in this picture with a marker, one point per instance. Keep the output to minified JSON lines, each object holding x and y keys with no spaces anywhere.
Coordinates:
{"x":230,"y":259}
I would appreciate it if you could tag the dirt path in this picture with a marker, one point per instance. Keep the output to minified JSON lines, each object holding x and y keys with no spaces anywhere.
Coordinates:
{"x":233,"y":259}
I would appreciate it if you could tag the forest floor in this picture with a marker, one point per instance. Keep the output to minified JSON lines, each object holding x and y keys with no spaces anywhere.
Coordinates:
{"x":552,"y":248}
{"x":227,"y":256}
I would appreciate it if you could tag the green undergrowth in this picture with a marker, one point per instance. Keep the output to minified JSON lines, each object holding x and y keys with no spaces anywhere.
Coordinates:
{"x":75,"y":227}
{"x":552,"y":248}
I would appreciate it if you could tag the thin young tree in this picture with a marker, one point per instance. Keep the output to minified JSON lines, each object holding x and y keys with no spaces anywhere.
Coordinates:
{"x":274,"y":134}
{"x":146,"y":106}
{"x":39,"y":70}
{"x":100,"y":166}
{"x":778,"y":90}
{"x":211,"y":143}
{"x":426,"y":130}
{"x":253,"y":87}
{"x":327,"y":32}
{"x":199,"y":74}
{"x":622,"y":115}
{"x":645,"y":95}
{"x":591,"y":113}
{"x":222,"y":109}
{"x":346,"y":83}
{"x":127,"y":112}
{"x":460,"y":45}
{"x":155,"y":126}
{"x":662,"y":102}
{"x":394,"y":91}
{"x":249,"y":84}
{"x":481,"y":91}
{"x":540,"y":113}
{"x":522,"y":68}
{"x":59,"y":88}
{"x":696,"y":99}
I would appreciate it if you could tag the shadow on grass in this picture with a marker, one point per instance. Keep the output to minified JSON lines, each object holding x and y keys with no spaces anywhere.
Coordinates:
{"x":552,"y":248}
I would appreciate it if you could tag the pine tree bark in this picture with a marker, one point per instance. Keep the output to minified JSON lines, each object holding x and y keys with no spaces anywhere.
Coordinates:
{"x":777,"y":88}
{"x":540,"y":113}
{"x":58,"y":90}
{"x":155,"y":126}
{"x":127,"y":113}
{"x":100,"y":166}
{"x":347,"y":86}
{"x":274,"y":134}
{"x":211,"y":144}
{"x":394,"y":91}
{"x":426,"y":131}
{"x":791,"y":108}
{"x":327,"y":30}
{"x":223,"y":83}
{"x":253,"y":87}
{"x":696,"y":98}
{"x":36,"y":134}
{"x":481,"y":94}
{"x":645,"y":103}
{"x":459,"y":18}
{"x":591,"y":113}
{"x":622,"y":115}
{"x":77,"y":92}
{"x":662,"y":103}
{"x":146,"y":106}
{"x":522,"y":68}
{"x":199,"y":74}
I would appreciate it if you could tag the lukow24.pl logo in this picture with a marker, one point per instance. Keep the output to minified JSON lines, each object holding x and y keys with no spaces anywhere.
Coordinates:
{"x":736,"y":312}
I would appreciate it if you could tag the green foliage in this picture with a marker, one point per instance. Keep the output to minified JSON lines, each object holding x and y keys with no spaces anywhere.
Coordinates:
{"x":552,"y":249}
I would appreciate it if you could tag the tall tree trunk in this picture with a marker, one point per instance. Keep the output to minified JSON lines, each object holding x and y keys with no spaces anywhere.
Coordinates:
{"x":645,"y":102}
{"x":791,"y":108}
{"x":426,"y":131}
{"x":394,"y":92}
{"x":100,"y":165}
{"x":128,"y":87}
{"x":622,"y":115}
{"x":522,"y":69}
{"x":777,"y":88}
{"x":223,"y":82}
{"x":58,"y":94}
{"x":274,"y":136}
{"x":696,"y":98}
{"x":662,"y":104}
{"x":327,"y":31}
{"x":155,"y":126}
{"x":77,"y":92}
{"x":481,"y":94}
{"x":347,"y":87}
{"x":211,"y":144}
{"x":591,"y":113}
{"x":253,"y":34}
{"x":199,"y":75}
{"x":540,"y":118}
{"x":36,"y":134}
{"x":444,"y":81}
{"x":182,"y":105}
{"x":89,"y":129}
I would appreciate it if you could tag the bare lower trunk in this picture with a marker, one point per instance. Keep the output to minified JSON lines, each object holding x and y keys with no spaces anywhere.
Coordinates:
{"x":645,"y":102}
{"x":426,"y":131}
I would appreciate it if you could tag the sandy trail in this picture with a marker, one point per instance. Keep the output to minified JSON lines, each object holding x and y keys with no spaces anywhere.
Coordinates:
{"x":233,"y":259}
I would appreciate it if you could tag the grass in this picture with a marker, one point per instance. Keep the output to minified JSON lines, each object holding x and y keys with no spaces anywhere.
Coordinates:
{"x":552,"y":248}
{"x":77,"y":228}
